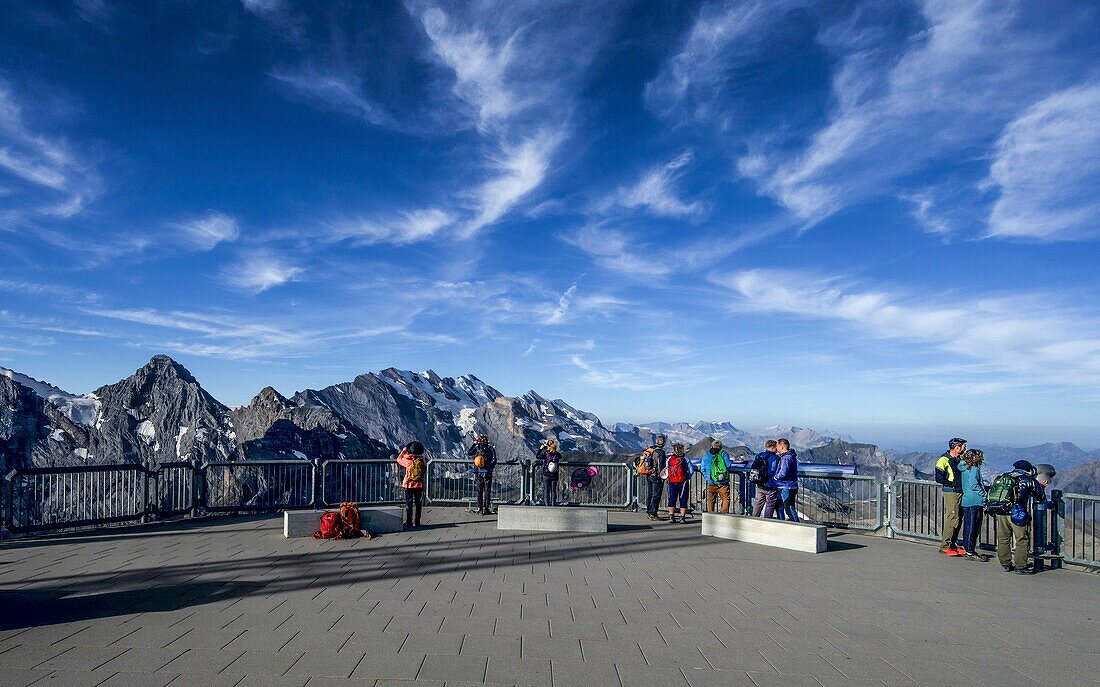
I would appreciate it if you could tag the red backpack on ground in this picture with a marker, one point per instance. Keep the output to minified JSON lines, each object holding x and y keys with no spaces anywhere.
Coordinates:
{"x":331,"y":526}
{"x":676,"y":471}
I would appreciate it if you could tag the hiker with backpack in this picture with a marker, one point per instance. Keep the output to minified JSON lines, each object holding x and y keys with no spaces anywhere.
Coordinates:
{"x":1009,"y":500}
{"x":974,"y":496}
{"x":550,"y":459}
{"x":760,"y":475}
{"x":947,"y":474}
{"x":485,"y":461}
{"x":677,"y":472}
{"x":651,"y":463}
{"x":416,"y":470}
{"x":786,"y":480}
{"x":715,"y":467}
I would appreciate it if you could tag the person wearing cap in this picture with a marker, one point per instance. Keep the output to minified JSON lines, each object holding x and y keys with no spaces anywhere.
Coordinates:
{"x":715,"y":467}
{"x":412,"y":458}
{"x":655,"y":484}
{"x":679,"y":477}
{"x":785,"y":479}
{"x":485,"y":461}
{"x":1030,"y":485}
{"x":947,"y":474}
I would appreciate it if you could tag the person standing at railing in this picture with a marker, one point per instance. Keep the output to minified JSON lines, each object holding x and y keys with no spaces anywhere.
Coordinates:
{"x":786,"y":480}
{"x":651,"y":463}
{"x":678,"y":472}
{"x":416,"y":469}
{"x":485,"y":461}
{"x":973,"y":501}
{"x":762,"y":476}
{"x":1026,"y":485}
{"x":947,"y":474}
{"x":550,"y":459}
{"x":715,"y":467}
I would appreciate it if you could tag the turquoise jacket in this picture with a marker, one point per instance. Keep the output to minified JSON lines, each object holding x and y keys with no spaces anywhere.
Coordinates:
{"x":973,"y":487}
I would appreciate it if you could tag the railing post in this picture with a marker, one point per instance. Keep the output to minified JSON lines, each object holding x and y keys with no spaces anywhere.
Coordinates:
{"x":318,"y":480}
{"x":891,"y":505}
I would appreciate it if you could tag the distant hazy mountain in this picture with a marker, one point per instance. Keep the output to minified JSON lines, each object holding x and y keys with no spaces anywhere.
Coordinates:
{"x":1080,"y":479}
{"x":689,"y":433}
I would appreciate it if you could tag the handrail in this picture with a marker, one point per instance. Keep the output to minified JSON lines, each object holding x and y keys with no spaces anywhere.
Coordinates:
{"x":54,"y":498}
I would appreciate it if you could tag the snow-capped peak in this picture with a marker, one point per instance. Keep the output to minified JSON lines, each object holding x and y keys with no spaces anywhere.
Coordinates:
{"x":82,"y":410}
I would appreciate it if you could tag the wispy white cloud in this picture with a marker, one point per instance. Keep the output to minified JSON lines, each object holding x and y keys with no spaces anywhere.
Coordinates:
{"x":636,"y":375}
{"x":614,"y":250}
{"x":1047,"y":169}
{"x":339,"y":89}
{"x":260,"y":271}
{"x":47,"y":164}
{"x":655,"y":192}
{"x":404,"y":228}
{"x":1024,"y":336}
{"x":517,"y":171}
{"x":208,"y":230}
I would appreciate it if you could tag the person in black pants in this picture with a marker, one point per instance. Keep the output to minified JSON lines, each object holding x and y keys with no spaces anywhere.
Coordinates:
{"x":550,"y":458}
{"x":656,"y":461}
{"x":416,"y":468}
{"x":485,"y":460}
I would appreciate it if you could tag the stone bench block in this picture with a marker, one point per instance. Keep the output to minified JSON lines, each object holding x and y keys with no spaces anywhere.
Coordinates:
{"x":552,"y":519}
{"x":375,"y":519}
{"x":798,"y":536}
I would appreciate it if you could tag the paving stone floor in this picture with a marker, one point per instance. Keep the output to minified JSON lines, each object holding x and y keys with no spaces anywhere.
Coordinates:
{"x":231,"y":602}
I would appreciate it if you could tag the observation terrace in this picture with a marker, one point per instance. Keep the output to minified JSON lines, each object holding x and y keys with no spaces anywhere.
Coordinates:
{"x":231,"y":602}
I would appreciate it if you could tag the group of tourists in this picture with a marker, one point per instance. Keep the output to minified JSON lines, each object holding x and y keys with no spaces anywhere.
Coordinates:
{"x":774,"y":473}
{"x":1009,"y":498}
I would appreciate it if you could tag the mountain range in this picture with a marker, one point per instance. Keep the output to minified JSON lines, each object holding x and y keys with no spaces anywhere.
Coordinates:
{"x":161,"y":414}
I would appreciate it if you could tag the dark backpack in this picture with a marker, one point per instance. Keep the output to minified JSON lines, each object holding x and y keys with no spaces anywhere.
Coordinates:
{"x":1002,"y":494}
{"x":676,"y":471}
{"x":758,"y":473}
{"x":580,"y":478}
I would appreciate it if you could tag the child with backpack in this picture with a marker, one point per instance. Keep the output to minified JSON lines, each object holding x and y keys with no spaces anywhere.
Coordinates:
{"x":550,"y":458}
{"x":973,"y":501}
{"x":416,"y":469}
{"x":678,"y":471}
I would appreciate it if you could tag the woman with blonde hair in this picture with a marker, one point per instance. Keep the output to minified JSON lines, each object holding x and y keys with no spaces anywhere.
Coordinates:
{"x":550,"y":458}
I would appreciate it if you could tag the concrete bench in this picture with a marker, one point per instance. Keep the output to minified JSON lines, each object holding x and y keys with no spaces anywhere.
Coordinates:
{"x":552,"y":519}
{"x":376,"y":520}
{"x":798,"y":536}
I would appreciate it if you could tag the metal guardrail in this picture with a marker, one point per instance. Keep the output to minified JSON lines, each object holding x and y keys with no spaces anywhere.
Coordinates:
{"x":56,"y":498}
{"x":67,"y":498}
{"x":258,"y":485}
{"x":361,"y":481}
{"x":452,"y":482}
{"x":1079,"y":529}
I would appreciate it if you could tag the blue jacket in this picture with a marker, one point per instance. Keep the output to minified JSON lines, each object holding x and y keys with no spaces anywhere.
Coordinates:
{"x":973,"y":487}
{"x":490,"y":458}
{"x":786,"y":471}
{"x":708,"y":461}
{"x":771,"y":462}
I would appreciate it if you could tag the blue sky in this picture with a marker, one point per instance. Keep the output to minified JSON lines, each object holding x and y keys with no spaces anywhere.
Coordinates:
{"x":880,"y":218}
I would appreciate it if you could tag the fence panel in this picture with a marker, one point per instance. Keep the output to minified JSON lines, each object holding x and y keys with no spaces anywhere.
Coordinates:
{"x":1080,"y":529}
{"x":918,"y":509}
{"x":174,"y":489}
{"x":611,"y":487}
{"x":41,"y":499}
{"x":257,"y":485}
{"x":852,"y":501}
{"x":361,"y":481}
{"x":451,"y":481}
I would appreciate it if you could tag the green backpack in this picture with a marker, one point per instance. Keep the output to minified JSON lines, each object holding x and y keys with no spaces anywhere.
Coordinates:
{"x":1002,"y":494}
{"x":719,"y":468}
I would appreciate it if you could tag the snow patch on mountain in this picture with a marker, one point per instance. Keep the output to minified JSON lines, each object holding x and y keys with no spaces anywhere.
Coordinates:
{"x":82,"y":410}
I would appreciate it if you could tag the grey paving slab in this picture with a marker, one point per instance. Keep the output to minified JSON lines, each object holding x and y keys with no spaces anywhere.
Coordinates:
{"x":462,"y":668}
{"x":201,"y":680}
{"x":491,"y":645}
{"x":202,"y":661}
{"x":658,"y":676}
{"x":326,"y":664}
{"x":271,"y":681}
{"x":385,"y":665}
{"x":570,"y":673}
{"x":128,"y":679}
{"x":525,"y":672}
{"x":703,"y":677}
{"x":261,"y":662}
{"x":439,"y":644}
